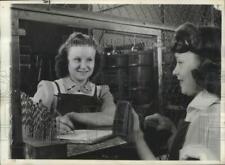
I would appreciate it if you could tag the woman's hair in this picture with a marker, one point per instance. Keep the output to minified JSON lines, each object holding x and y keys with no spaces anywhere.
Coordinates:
{"x":75,"y":39}
{"x":186,"y":38}
{"x":204,"y":41}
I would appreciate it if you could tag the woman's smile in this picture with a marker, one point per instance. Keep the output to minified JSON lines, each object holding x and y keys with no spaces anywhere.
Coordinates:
{"x":83,"y":73}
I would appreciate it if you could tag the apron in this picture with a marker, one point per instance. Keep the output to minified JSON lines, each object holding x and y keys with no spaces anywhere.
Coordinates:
{"x":77,"y":103}
{"x":178,"y":140}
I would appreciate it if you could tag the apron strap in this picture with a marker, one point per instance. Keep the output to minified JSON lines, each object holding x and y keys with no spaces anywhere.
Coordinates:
{"x":57,"y":85}
{"x":95,"y":94}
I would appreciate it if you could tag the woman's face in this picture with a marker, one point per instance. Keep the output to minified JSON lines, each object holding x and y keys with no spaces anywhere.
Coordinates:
{"x":81,"y":62}
{"x":186,"y":62}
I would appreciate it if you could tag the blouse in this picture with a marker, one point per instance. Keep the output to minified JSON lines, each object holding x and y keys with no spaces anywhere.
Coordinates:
{"x":203,"y":133}
{"x":47,"y":92}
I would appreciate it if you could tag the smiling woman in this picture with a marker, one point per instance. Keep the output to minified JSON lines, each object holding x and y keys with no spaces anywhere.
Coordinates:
{"x":79,"y":102}
{"x":198,"y":55}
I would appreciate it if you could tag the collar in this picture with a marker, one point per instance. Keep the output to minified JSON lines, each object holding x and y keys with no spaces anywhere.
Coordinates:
{"x":203,"y":100}
{"x":72,"y":87}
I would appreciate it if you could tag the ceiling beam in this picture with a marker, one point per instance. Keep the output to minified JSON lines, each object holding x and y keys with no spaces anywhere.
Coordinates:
{"x":85,"y":18}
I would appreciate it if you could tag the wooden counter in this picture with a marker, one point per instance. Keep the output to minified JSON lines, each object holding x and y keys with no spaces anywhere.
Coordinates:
{"x":57,"y":149}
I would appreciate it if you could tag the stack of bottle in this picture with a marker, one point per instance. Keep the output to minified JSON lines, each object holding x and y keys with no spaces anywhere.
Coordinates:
{"x":38,"y":122}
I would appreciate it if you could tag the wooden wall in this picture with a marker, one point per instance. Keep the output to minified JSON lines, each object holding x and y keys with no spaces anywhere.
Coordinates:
{"x":171,"y":15}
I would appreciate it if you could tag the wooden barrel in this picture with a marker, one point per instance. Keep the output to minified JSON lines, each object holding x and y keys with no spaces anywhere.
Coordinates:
{"x":116,"y":75}
{"x":140,"y":71}
{"x":116,"y":60}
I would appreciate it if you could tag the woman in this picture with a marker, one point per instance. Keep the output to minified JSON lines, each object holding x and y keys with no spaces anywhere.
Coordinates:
{"x":77,"y":100}
{"x":198,"y":56}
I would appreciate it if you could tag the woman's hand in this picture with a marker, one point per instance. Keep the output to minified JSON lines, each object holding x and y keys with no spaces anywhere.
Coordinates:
{"x":64,"y":124}
{"x":137,"y":132}
{"x":159,"y":122}
{"x":137,"y":136}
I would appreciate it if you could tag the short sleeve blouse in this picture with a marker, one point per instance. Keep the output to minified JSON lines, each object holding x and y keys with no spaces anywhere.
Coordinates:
{"x":47,"y":91}
{"x":203,"y":113}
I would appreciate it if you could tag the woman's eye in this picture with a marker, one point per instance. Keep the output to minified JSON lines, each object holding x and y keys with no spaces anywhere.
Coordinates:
{"x":180,"y":62}
{"x":89,"y":59}
{"x":77,"y":59}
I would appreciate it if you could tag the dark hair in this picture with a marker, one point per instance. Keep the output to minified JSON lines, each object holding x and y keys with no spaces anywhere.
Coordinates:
{"x":208,"y":73}
{"x":186,"y":38}
{"x":204,"y":41}
{"x":75,"y":39}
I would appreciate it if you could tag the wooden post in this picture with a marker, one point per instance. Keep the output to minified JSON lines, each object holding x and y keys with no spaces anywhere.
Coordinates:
{"x":160,"y":72}
{"x":16,"y":139}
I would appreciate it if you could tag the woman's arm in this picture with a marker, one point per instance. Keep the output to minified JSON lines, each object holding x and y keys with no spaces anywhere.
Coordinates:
{"x":44,"y":93}
{"x":142,"y":148}
{"x":103,"y":118}
{"x":93,"y":119}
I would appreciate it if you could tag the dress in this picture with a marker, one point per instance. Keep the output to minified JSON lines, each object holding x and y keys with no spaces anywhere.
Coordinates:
{"x":201,"y":127}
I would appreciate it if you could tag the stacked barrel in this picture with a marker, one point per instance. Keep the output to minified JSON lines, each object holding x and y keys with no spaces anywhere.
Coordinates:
{"x":130,"y":76}
{"x":140,"y":71}
{"x":116,"y":74}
